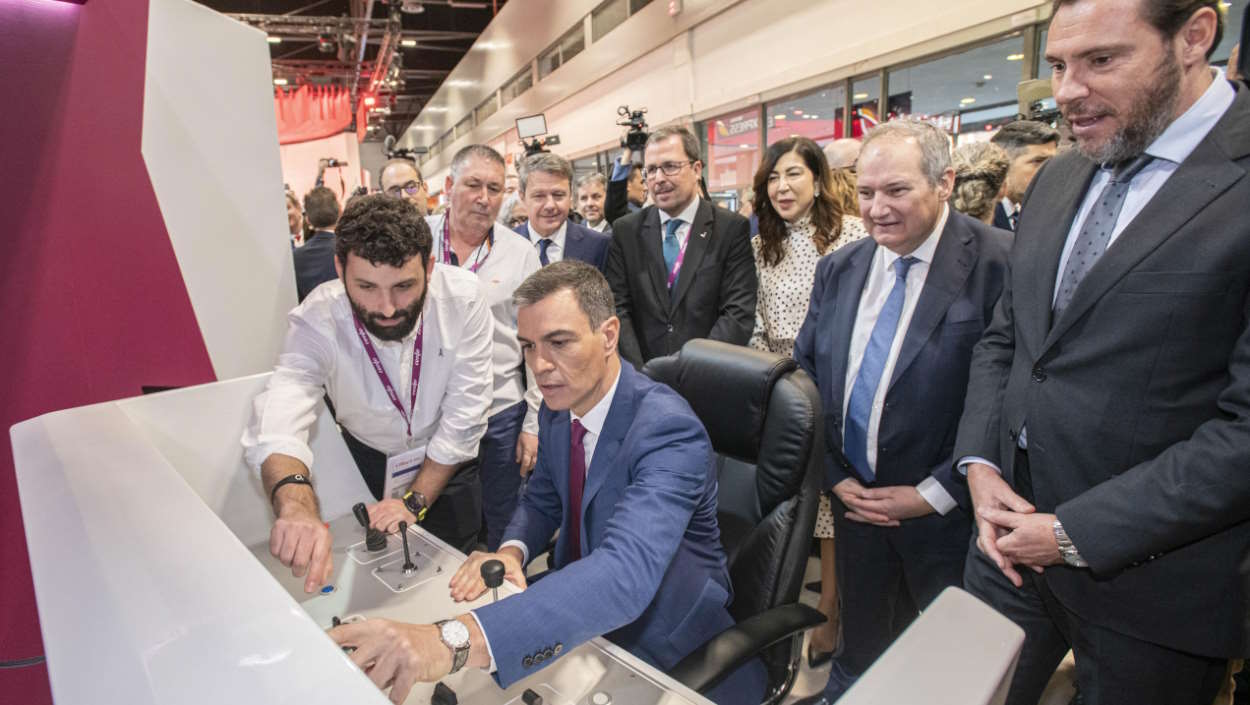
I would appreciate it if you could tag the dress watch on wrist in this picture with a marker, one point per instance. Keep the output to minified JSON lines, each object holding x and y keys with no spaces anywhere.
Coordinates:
{"x":415,"y":502}
{"x":455,"y":636}
{"x":1067,"y":550}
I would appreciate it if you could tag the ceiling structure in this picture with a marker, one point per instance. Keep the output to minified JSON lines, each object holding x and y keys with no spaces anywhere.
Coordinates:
{"x":393,"y":52}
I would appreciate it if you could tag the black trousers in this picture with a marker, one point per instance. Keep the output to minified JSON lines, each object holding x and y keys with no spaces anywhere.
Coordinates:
{"x":1111,"y":668}
{"x":455,"y":516}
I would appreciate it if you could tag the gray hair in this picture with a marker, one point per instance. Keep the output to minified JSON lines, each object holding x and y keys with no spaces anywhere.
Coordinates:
{"x":689,"y":143}
{"x":547,"y":163}
{"x":587,"y":283}
{"x":1016,"y":136}
{"x":480,"y":151}
{"x":505,"y":210}
{"x":935,"y":147}
{"x":980,"y":169}
{"x":593,"y":177}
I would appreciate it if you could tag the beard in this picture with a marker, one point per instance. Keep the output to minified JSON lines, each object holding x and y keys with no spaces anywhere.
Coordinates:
{"x":1146,"y":119}
{"x":408,"y":319}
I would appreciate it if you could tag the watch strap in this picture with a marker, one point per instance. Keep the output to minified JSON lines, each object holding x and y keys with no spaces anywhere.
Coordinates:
{"x":415,"y":502}
{"x":296,"y":479}
{"x":1067,"y":550}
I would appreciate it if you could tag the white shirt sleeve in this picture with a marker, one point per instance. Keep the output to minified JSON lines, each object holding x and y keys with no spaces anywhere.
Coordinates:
{"x":464,"y":409}
{"x":489,"y":652}
{"x":936,"y":495}
{"x":963,"y":464}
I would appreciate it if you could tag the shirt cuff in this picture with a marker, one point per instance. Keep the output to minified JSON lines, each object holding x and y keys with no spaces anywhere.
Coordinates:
{"x":936,"y":495}
{"x":967,"y":460}
{"x":525,"y":551}
{"x":256,"y":455}
{"x":485,"y":638}
{"x":620,"y":171}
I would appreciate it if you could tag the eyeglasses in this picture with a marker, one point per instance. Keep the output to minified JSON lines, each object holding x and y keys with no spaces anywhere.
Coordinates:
{"x":411,"y":188}
{"x":669,"y":168}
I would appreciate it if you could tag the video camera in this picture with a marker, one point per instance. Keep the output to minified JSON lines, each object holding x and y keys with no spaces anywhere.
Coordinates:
{"x":636,"y":139}
{"x":535,"y":126}
{"x":388,"y":146}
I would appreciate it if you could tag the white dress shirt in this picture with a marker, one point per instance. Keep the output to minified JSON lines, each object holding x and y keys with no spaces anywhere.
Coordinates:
{"x":508,"y":263}
{"x":323,"y":354}
{"x":877,"y":289}
{"x":687,"y":217}
{"x":555,"y":251}
{"x":603,"y":225}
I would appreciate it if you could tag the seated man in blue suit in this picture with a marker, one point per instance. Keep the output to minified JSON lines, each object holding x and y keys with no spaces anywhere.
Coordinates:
{"x":888,"y":340}
{"x":638,"y":558}
{"x":546,"y":182}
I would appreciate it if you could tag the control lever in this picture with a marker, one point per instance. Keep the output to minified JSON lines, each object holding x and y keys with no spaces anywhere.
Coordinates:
{"x":409,"y":566}
{"x":492,"y":575}
{"x":374,"y":540}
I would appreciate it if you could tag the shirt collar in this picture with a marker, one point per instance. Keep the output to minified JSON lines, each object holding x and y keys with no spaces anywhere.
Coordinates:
{"x":1181,"y":138}
{"x":598,"y":414}
{"x":557,"y":237}
{"x":686,"y":215}
{"x":1008,"y":206}
{"x":924,"y":253}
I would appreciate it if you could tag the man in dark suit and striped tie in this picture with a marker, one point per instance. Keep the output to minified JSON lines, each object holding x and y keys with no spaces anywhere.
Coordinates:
{"x":546,"y":182}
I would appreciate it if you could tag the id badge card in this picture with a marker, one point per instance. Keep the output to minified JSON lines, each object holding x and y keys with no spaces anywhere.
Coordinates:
{"x":401,"y":469}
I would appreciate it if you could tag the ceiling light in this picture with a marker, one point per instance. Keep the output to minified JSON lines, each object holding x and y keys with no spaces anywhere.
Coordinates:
{"x":424,"y":128}
{"x":370,"y":100}
{"x":988,"y":77}
{"x":744,"y":146}
{"x":408,"y":43}
{"x":435,"y":109}
{"x":778,"y":117}
{"x":459,"y":83}
{"x":860,"y":96}
{"x":798,"y":111}
{"x":1015,"y":57}
{"x":272,"y":39}
{"x":412,"y":7}
{"x":967,"y":101}
{"x":279,"y":81}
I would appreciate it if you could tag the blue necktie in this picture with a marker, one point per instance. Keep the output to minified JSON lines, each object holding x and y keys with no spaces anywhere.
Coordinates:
{"x":858,"y":410}
{"x":671,"y":246}
{"x":543,"y":244}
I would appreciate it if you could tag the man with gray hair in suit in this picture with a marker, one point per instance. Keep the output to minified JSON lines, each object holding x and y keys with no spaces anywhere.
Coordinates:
{"x":547,"y":191}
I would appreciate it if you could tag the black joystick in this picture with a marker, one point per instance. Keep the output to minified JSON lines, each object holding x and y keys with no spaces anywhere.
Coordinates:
{"x":492,"y":575}
{"x":374,"y":540}
{"x":409,"y":566}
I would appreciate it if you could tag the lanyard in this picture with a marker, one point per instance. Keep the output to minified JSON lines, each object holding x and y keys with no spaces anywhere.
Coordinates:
{"x":681,"y":257}
{"x":386,"y":380}
{"x":477,"y":263}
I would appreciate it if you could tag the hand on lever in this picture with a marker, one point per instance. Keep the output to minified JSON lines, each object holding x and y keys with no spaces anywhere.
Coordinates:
{"x":386,"y":515}
{"x":467,"y":583}
{"x":394,"y":654}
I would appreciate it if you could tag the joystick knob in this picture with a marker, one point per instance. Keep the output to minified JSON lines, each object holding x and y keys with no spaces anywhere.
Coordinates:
{"x":362,"y":514}
{"x":374,"y":540}
{"x":492,"y":575}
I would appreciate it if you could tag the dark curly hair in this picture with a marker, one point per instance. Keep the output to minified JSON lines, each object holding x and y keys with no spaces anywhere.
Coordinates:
{"x":826,"y":211}
{"x":384,"y":230}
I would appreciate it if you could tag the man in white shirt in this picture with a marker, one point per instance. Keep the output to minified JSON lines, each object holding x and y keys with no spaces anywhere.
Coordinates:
{"x":591,"y":191}
{"x":402,"y":349}
{"x":467,"y":236}
{"x":887,"y":339}
{"x":626,"y":475}
{"x":547,"y":190}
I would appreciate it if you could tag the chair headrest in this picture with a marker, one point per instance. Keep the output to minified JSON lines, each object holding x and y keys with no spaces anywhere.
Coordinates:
{"x":728,"y":387}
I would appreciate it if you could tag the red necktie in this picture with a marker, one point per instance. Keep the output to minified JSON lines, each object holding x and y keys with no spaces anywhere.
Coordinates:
{"x":577,"y":483}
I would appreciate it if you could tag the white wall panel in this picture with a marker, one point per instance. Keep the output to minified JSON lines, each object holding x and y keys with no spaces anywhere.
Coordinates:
{"x":210,"y":143}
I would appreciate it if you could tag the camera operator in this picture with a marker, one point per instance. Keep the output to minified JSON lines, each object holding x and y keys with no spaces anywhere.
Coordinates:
{"x":627,"y":191}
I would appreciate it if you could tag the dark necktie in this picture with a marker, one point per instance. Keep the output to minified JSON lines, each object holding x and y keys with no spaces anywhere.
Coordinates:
{"x":1096,"y":231}
{"x":577,"y":483}
{"x":859,"y":408}
{"x":1014,"y":218}
{"x":543,"y":244}
{"x":671,"y":246}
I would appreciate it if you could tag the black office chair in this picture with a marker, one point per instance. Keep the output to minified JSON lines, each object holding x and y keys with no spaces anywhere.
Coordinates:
{"x":763,"y":416}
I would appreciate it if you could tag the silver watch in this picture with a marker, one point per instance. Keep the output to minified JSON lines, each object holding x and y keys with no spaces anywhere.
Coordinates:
{"x":1070,"y":555}
{"x":455,"y":636}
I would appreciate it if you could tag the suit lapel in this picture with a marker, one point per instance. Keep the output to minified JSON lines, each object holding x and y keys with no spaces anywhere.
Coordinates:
{"x":653,"y":254}
{"x":850,"y":290}
{"x":560,"y":438}
{"x":615,"y":426}
{"x":524,"y":231}
{"x":697,"y":244}
{"x":572,"y":241}
{"x":952,"y":261}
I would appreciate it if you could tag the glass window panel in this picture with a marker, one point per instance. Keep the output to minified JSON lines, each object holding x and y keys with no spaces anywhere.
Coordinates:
{"x":865,"y":99}
{"x":465,"y":126}
{"x":732,"y":150}
{"x":942,"y":90}
{"x":488,"y":107}
{"x":572,"y":43}
{"x":1043,"y":68}
{"x":817,"y":115}
{"x":1235,"y":11}
{"x":549,"y":61}
{"x":636,"y":5}
{"x":518,"y":85}
{"x":606,"y":17}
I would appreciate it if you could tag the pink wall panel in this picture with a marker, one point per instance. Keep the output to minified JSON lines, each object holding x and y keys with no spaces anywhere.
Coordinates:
{"x":92,"y":304}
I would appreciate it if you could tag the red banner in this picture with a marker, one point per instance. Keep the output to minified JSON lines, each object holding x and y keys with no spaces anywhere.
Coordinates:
{"x":311,"y":113}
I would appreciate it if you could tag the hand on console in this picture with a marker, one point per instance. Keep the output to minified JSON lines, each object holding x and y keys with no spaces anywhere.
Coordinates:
{"x":302,"y":542}
{"x":386,"y":515}
{"x":467,"y":583}
{"x":394,"y":654}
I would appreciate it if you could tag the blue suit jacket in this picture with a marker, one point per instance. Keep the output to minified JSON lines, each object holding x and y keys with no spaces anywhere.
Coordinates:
{"x":653,"y":576}
{"x":580,"y":243}
{"x":314,"y":263}
{"x":925,"y":396}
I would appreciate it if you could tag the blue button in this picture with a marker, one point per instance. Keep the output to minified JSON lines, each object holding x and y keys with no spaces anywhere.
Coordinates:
{"x":327,"y":590}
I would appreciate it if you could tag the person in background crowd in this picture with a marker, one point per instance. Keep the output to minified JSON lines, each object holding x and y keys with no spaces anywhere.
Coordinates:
{"x":314,"y":262}
{"x":845,"y":189}
{"x":468,"y":237}
{"x":680,"y":269}
{"x":980,"y":170}
{"x":1029,"y":144}
{"x":546,"y":188}
{"x":887,"y":339}
{"x":1104,"y":438}
{"x":627,"y":189}
{"x":592,"y":190}
{"x":401,"y":178}
{"x":510,"y":184}
{"x":843,"y":153}
{"x":294,"y":219}
{"x":801,"y":221}
{"x":746,"y":209}
{"x":512,"y":213}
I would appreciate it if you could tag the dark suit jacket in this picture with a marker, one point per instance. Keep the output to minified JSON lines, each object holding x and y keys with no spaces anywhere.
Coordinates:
{"x":1137,"y":398}
{"x":616,"y":201}
{"x":1002,"y":219}
{"x":580,"y":243}
{"x":653,"y":575}
{"x":926,"y":390}
{"x":714,"y":296}
{"x":314,"y":263}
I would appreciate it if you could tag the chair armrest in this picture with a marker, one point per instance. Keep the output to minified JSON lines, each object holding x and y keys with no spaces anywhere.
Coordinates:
{"x":705,"y":667}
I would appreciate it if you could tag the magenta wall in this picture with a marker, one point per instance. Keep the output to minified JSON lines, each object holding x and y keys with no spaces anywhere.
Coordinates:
{"x":92,"y":304}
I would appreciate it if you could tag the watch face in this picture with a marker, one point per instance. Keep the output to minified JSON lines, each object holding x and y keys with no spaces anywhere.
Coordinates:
{"x":455,"y":634}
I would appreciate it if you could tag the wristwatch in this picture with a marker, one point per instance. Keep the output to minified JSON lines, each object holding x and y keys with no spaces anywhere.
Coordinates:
{"x":1071,"y":556}
{"x":455,"y":636}
{"x":415,"y":502}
